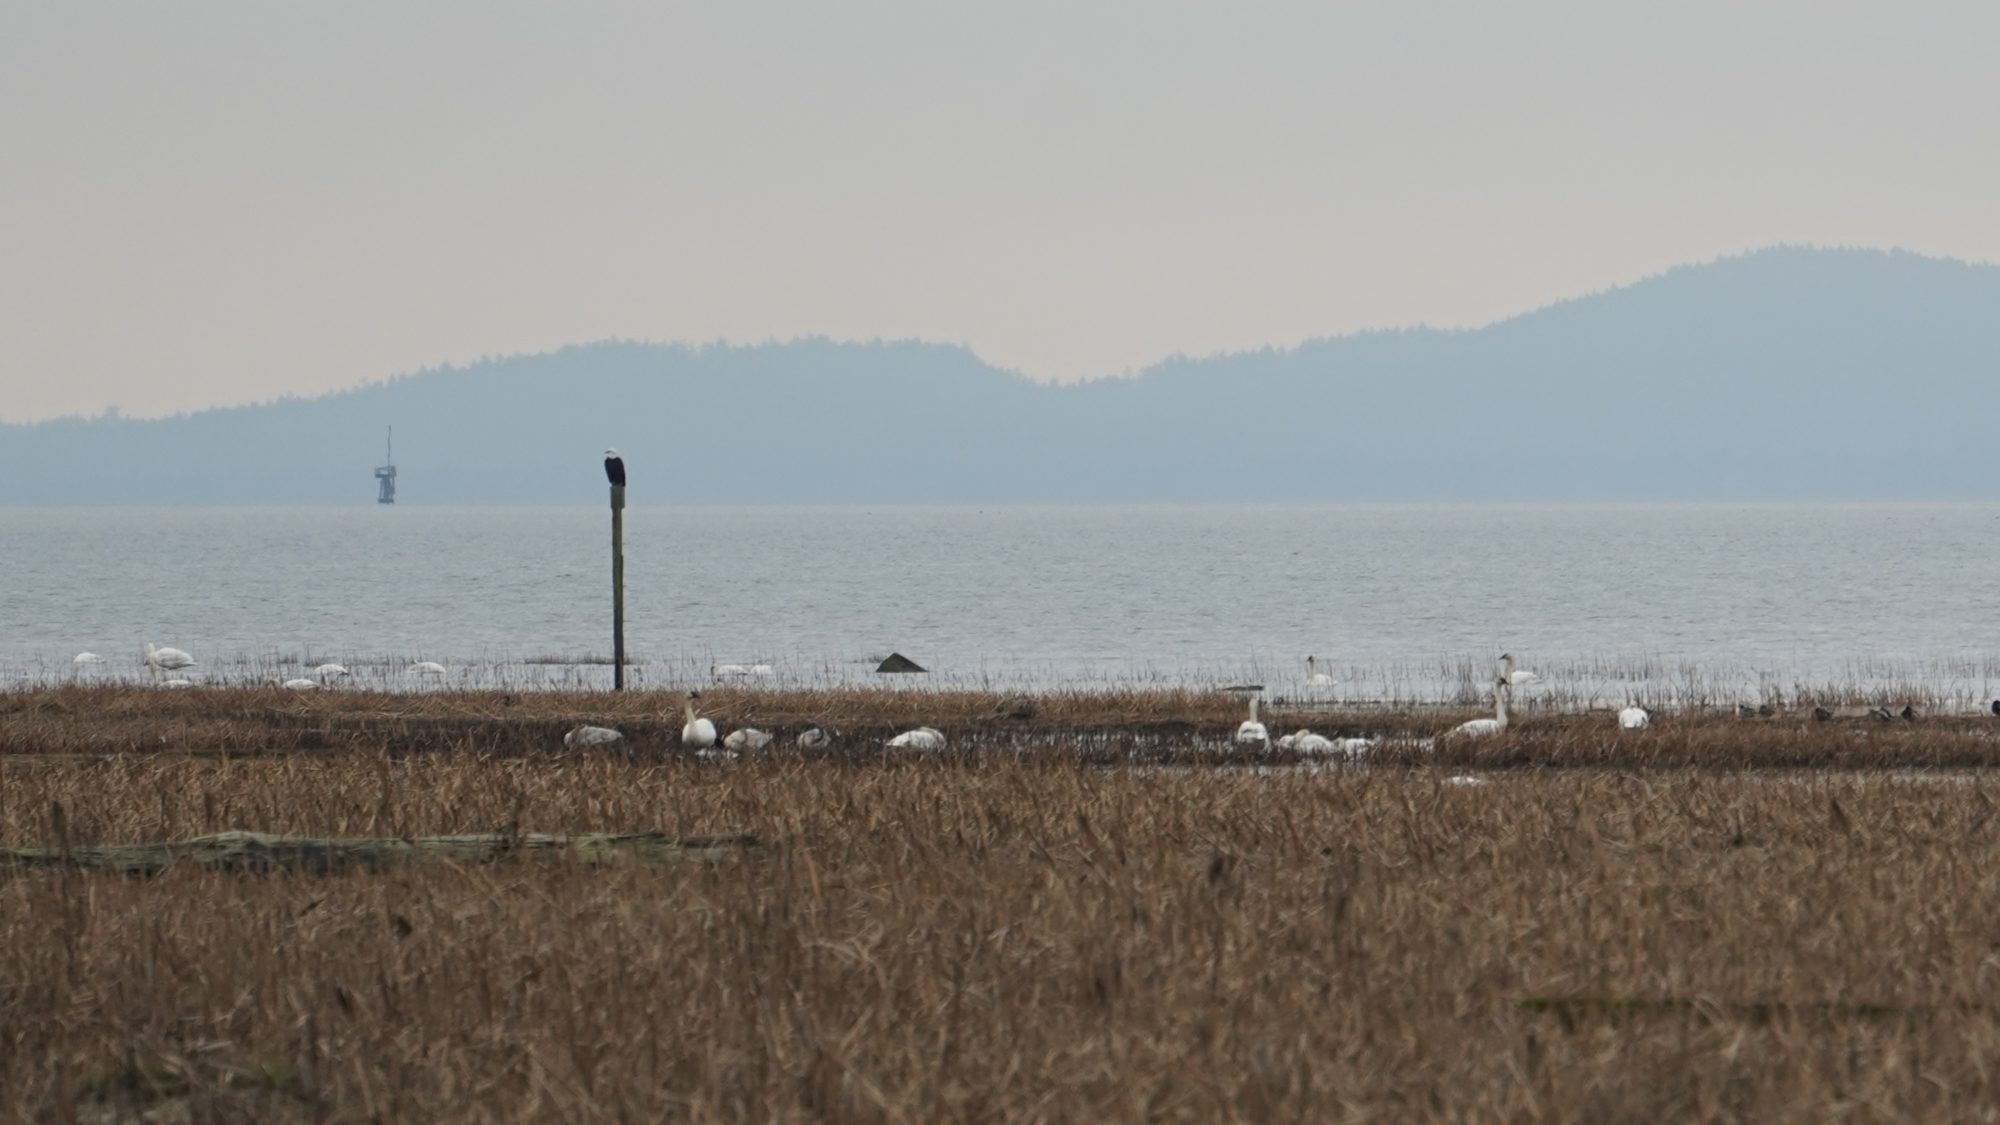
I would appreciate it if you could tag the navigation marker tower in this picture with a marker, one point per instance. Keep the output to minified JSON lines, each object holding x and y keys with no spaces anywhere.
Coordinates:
{"x":385,"y":474}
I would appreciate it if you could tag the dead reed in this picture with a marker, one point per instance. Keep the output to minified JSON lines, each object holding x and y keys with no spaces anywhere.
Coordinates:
{"x":996,"y":939}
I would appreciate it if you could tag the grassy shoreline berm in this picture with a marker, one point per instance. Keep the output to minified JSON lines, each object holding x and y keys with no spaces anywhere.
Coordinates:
{"x":1104,"y":728}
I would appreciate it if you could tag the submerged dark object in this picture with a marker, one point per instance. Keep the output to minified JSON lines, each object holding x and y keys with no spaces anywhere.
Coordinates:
{"x":897,"y":662}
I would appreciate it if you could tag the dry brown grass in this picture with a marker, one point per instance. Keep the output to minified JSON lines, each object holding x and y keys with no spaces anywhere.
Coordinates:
{"x":996,"y":939}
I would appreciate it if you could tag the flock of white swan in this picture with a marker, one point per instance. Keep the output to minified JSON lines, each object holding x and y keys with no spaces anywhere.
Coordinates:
{"x":162,"y":663}
{"x":700,"y":734}
{"x":1253,"y":735}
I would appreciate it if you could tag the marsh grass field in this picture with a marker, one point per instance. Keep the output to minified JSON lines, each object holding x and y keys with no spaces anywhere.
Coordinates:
{"x":1100,"y":911}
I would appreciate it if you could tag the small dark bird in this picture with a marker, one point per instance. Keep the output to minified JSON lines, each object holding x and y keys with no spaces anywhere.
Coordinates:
{"x":1881,"y":714}
{"x":1996,"y":708}
{"x":614,"y":468}
{"x":1909,"y":713}
{"x":1821,"y":714}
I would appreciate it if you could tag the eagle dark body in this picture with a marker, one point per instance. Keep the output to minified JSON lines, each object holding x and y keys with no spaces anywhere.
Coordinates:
{"x":614,"y":470}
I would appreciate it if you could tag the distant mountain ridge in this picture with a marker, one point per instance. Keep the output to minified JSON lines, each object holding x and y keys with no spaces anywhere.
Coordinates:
{"x":1786,"y":373}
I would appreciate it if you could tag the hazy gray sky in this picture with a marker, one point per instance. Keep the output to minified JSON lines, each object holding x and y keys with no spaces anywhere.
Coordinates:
{"x":220,"y":202}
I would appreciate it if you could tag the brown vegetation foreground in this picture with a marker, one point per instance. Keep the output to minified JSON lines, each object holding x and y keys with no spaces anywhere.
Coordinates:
{"x":997,"y":940}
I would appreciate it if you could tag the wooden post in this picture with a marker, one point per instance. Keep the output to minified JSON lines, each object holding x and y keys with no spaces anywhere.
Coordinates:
{"x":617,"y":587}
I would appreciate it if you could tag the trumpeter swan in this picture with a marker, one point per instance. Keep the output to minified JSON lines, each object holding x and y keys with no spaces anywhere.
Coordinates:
{"x":1315,"y":677}
{"x":1634,"y":717}
{"x":167,"y":659}
{"x":592,"y":736}
{"x":734,"y":671}
{"x":697,"y":733}
{"x":425,"y":668}
{"x":1515,"y":675}
{"x":177,"y":683}
{"x":330,"y":671}
{"x":1251,"y":732}
{"x":1480,"y":728}
{"x":922,"y":738}
{"x":818,"y":738}
{"x":1306,"y":742}
{"x":302,"y":684}
{"x":87,"y":658}
{"x":747,"y":738}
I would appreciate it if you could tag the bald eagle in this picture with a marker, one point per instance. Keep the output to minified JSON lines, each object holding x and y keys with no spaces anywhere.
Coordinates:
{"x":614,"y":468}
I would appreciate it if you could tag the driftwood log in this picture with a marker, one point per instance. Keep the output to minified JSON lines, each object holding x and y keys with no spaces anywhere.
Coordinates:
{"x":257,"y":852}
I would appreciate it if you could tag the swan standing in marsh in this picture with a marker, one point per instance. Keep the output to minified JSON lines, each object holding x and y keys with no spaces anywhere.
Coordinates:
{"x":1481,"y":728}
{"x":1314,"y":677}
{"x":166,"y":659}
{"x":697,"y":733}
{"x":1515,"y":675}
{"x":922,"y":738}
{"x":592,"y":736}
{"x":87,"y":658}
{"x":425,"y":668}
{"x":300,"y":683}
{"x":327,"y":672}
{"x":818,"y":738}
{"x":1251,"y":733}
{"x":1634,"y":717}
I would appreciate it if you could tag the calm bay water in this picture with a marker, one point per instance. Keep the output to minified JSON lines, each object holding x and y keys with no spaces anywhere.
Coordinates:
{"x":1404,"y":601}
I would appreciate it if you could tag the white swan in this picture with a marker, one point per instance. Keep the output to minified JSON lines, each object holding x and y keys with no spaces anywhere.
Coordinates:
{"x":818,"y":738}
{"x":87,"y":658}
{"x":176,"y":683}
{"x":424,"y":668}
{"x":697,"y":733}
{"x":747,"y":738}
{"x":302,"y":684}
{"x":1634,"y":717}
{"x":1480,"y":728}
{"x":922,"y":738}
{"x":1315,"y":677}
{"x":592,"y":736}
{"x":1515,"y":675}
{"x":736,"y":671}
{"x":1306,"y":742}
{"x":1251,"y":733}
{"x":167,"y":659}
{"x":330,"y":671}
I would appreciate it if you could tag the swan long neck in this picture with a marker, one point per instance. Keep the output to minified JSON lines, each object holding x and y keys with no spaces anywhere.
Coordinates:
{"x":687,"y":709}
{"x":1500,"y":693}
{"x":1253,"y":708}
